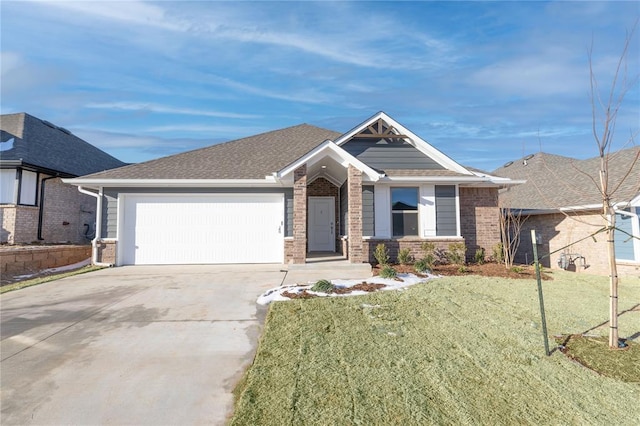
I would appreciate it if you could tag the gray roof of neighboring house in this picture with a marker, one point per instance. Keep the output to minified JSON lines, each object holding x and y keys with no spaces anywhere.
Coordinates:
{"x":48,"y":147}
{"x":253,"y":157}
{"x":554,"y":181}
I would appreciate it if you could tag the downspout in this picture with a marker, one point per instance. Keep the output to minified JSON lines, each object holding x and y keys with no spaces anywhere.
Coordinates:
{"x":41,"y":209}
{"x":94,"y":242}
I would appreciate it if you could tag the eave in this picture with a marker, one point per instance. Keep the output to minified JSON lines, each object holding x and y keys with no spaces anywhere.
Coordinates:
{"x":267,"y":182}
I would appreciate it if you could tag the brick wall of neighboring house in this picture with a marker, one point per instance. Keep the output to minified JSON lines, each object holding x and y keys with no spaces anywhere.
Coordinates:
{"x":556,"y":231}
{"x":8,"y":218}
{"x":323,"y":188}
{"x":106,"y":251}
{"x":414,"y":244}
{"x":19,"y":224}
{"x":24,"y":260}
{"x":66,"y":211}
{"x":479,"y":219}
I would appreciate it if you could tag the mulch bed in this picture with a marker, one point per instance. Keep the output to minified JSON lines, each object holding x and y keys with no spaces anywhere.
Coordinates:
{"x":363,"y":286}
{"x":489,"y":269}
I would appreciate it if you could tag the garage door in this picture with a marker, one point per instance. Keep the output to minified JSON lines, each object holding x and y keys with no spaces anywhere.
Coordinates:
{"x":202,"y":229}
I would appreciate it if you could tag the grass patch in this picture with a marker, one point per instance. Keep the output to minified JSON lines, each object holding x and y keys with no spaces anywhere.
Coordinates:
{"x":44,"y":279}
{"x":462,"y":350}
{"x":594,"y":353}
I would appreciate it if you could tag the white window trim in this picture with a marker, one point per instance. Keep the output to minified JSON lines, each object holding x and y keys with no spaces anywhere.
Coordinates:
{"x":417,"y":212}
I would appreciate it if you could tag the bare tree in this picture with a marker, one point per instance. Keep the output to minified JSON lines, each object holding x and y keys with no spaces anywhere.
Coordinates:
{"x":511,"y":222}
{"x":604,"y":115}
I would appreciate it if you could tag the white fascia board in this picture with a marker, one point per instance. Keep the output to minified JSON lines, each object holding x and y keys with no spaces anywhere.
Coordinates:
{"x":415,"y":140}
{"x":329,"y":148}
{"x":269,"y":181}
{"x":435,"y":179}
{"x":581,"y":208}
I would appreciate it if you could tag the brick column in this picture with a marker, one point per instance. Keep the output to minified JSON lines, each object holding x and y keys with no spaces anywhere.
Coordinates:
{"x":300,"y":214}
{"x":354,"y":185}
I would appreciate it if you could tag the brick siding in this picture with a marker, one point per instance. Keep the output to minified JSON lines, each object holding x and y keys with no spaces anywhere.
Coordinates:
{"x":479,"y":219}
{"x":300,"y":214}
{"x":354,"y":187}
{"x":557,"y":230}
{"x":106,"y":251}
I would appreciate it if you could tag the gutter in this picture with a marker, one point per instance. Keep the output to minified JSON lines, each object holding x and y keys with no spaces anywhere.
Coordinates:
{"x":94,"y":242}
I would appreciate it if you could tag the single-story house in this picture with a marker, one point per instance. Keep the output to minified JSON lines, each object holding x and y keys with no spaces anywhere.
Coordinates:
{"x":277,"y":196}
{"x":35,"y":205}
{"x":561,"y":200}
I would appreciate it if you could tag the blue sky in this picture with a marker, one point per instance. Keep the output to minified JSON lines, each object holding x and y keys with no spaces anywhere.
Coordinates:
{"x":483,"y":82}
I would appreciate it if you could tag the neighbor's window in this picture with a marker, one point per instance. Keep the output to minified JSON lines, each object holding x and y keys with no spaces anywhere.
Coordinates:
{"x":7,"y":186}
{"x":404,"y":211}
{"x":28,"y":188}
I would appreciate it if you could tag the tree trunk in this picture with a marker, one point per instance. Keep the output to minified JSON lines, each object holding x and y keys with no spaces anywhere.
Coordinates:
{"x":610,"y":224}
{"x":613,"y":280}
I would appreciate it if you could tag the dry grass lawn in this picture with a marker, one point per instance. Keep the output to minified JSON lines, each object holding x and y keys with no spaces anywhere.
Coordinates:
{"x":458,"y":350}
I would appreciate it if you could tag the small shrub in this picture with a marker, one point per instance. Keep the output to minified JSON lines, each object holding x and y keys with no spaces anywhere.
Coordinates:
{"x":323,"y":286}
{"x":404,"y":256}
{"x":422,"y":267}
{"x":498,"y":253}
{"x":381,"y":254}
{"x":516,"y":269}
{"x":456,"y":253}
{"x":463,"y":269}
{"x":479,"y":256}
{"x":388,"y":272}
{"x":429,"y":258}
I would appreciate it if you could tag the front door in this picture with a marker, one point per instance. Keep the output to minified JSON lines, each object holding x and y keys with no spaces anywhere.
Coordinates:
{"x":322,"y":235}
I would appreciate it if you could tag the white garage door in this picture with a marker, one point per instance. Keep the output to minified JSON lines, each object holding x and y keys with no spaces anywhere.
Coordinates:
{"x":201,"y":229}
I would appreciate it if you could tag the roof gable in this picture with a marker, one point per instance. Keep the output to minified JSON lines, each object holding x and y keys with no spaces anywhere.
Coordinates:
{"x":383,"y":143}
{"x":43,"y":145}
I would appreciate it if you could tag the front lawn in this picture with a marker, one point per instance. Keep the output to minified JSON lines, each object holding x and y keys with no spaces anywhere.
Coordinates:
{"x":455,"y":350}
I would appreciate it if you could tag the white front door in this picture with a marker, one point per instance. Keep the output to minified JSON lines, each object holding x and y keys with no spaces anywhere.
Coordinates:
{"x":322,"y":234}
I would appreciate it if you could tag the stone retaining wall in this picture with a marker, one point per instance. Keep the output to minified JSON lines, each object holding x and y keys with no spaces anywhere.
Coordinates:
{"x":30,"y":259}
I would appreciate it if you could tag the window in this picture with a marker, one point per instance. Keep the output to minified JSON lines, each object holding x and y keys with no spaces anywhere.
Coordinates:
{"x":28,"y":188}
{"x":404,"y":211}
{"x":7,"y":185}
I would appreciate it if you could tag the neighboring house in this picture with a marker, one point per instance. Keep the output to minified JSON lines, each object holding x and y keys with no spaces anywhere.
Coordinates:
{"x":275,"y":197}
{"x":562,"y":202}
{"x":34,"y":203}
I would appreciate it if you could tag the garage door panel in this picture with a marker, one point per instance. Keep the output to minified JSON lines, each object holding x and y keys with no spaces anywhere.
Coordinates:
{"x":203,"y":229}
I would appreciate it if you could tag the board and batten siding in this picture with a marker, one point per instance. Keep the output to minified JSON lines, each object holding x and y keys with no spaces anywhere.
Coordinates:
{"x":368,"y":211}
{"x":110,"y":202}
{"x":344,"y":205}
{"x":446,"y":217}
{"x":385,"y":155}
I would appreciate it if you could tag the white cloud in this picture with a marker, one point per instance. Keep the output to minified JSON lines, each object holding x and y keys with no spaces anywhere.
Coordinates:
{"x":532,"y":76}
{"x":164,"y":109}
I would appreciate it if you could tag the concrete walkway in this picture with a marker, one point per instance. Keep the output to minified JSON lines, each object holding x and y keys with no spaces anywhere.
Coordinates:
{"x":134,"y":345}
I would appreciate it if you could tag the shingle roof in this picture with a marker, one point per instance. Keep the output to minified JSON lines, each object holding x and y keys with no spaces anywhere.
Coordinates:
{"x":253,"y":157}
{"x":554,"y":181}
{"x":44,"y":145}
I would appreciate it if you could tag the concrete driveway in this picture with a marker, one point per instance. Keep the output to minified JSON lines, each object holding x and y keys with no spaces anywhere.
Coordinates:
{"x":131,"y":345}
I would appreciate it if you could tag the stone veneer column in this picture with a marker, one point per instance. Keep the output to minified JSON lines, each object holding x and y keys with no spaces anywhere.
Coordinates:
{"x":300,"y":214}
{"x":354,"y":187}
